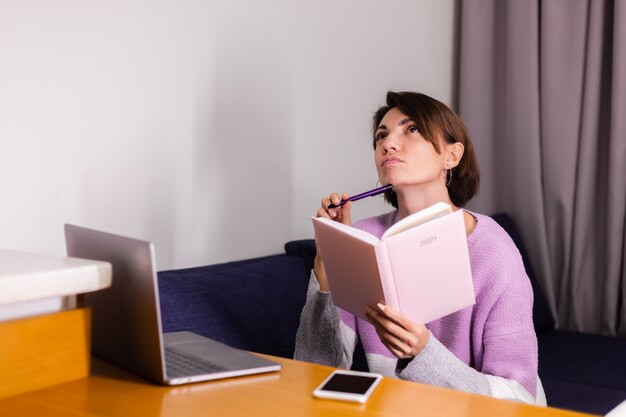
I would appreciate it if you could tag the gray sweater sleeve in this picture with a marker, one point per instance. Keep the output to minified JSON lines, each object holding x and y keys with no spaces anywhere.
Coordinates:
{"x":436,"y":365}
{"x":319,"y":337}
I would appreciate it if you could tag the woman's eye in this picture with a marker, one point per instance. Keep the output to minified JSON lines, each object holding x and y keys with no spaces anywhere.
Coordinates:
{"x":413,"y":129}
{"x":381,"y":136}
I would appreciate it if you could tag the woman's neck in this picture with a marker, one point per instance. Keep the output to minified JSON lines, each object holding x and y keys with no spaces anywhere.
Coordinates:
{"x":412,"y":201}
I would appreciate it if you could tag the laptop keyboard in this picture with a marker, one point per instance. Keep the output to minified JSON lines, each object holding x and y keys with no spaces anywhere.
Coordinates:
{"x":178,"y":364}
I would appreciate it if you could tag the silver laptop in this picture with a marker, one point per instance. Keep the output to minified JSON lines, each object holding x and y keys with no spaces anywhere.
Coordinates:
{"x":126,"y":318}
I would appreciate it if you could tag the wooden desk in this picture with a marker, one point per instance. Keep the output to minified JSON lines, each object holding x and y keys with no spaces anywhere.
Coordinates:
{"x":43,"y":341}
{"x":110,"y":391}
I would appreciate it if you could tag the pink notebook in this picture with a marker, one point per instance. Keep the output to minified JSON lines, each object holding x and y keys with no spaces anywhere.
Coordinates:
{"x":420,"y":266}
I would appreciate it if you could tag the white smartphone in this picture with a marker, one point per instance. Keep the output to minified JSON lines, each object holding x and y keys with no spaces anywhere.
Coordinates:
{"x":348,"y":386}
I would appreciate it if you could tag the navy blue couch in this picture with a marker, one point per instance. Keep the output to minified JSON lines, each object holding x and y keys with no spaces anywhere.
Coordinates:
{"x":255,"y":304}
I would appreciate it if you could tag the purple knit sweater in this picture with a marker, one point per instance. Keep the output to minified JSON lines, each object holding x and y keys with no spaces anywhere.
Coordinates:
{"x":495,"y":336}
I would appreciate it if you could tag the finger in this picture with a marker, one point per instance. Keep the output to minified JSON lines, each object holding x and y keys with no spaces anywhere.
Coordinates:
{"x":401,"y":347}
{"x":408,"y":341}
{"x":335,"y":198}
{"x":395,"y":344}
{"x":373,"y":315}
{"x":399,"y":352}
{"x":389,"y":342}
{"x":396,"y":316}
{"x":322,"y":212}
{"x":345,"y":212}
{"x":327,"y":212}
{"x":380,"y":320}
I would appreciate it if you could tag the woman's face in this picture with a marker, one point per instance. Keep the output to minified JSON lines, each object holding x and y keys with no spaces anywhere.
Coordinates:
{"x":403,"y":157}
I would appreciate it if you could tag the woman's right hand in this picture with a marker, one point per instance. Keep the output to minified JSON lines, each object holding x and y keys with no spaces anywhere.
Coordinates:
{"x":340,"y":214}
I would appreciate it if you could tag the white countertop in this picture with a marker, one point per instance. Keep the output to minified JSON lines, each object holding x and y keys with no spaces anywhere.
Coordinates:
{"x":28,"y":276}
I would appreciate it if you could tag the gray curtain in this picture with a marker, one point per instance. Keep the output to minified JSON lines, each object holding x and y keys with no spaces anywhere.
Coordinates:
{"x":542,"y":88}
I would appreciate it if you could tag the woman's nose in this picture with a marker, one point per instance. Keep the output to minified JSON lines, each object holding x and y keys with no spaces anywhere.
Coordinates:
{"x":391,"y":144}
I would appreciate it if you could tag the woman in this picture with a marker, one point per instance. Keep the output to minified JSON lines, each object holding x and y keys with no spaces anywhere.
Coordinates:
{"x":424,"y":150}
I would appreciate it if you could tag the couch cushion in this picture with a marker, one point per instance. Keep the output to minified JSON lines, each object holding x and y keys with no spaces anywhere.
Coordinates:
{"x":582,"y":371}
{"x":304,"y":249}
{"x":253,"y":304}
{"x":581,"y":397}
{"x":583,"y":358}
{"x":542,"y":316}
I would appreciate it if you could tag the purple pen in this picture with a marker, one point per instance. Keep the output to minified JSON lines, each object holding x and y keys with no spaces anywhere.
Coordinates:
{"x":369,"y":193}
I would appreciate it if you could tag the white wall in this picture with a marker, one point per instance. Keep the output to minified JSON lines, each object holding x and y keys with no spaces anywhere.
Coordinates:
{"x":212,"y":128}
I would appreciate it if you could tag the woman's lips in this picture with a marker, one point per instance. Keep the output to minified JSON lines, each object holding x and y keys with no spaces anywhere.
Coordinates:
{"x":391,"y":161}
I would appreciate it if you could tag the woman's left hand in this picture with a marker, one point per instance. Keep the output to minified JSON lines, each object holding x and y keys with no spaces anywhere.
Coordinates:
{"x":403,"y":337}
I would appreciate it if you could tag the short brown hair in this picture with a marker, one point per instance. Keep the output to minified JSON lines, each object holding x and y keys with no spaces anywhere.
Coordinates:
{"x":434,"y":119}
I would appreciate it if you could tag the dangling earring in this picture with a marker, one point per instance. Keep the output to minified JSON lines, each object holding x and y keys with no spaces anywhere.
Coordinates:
{"x":449,"y":177}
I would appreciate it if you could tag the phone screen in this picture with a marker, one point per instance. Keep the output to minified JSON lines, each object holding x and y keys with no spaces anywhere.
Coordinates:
{"x":355,"y":384}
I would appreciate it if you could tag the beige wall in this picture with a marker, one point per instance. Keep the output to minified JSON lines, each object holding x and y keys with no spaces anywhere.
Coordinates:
{"x":209,"y":127}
